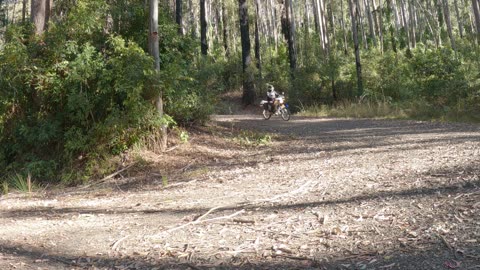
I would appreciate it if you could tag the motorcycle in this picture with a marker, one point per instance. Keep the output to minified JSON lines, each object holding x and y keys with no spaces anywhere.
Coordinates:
{"x":282,"y":108}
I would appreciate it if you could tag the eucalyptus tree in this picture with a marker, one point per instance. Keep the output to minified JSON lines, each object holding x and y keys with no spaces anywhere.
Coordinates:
{"x":248,"y":96}
{"x":179,"y":16}
{"x":292,"y":49}
{"x":24,"y":10}
{"x":358,"y":65}
{"x":448,"y":21}
{"x":476,"y":15}
{"x":154,"y":50}
{"x":225,"y":29}
{"x":39,"y":15}
{"x":459,"y":18}
{"x":203,"y":28}
{"x":258,"y":56}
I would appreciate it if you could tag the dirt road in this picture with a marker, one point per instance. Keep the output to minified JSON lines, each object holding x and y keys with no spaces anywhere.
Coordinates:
{"x":246,"y":193}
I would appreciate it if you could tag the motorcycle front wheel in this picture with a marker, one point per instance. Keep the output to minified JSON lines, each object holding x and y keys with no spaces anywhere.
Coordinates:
{"x":266,"y":114}
{"x":285,"y":113}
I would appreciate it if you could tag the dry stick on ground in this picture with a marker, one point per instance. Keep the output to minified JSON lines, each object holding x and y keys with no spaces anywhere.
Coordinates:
{"x":110,"y":176}
{"x":117,"y":243}
{"x":199,"y":220}
{"x":302,"y":188}
{"x":208,"y":212}
{"x":444,"y":241}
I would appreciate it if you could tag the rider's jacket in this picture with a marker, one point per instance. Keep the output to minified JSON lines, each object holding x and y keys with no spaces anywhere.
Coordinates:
{"x":272,"y":94}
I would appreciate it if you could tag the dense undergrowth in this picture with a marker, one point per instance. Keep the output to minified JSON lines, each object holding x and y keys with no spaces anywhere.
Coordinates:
{"x":79,"y":94}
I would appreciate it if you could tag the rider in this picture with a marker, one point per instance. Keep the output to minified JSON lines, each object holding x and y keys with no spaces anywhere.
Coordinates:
{"x":271,"y":95}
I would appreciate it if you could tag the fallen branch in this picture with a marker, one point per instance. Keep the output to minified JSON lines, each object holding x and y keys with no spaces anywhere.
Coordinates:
{"x":109,"y":176}
{"x":444,"y":241}
{"x":246,"y":221}
{"x":301,"y":189}
{"x":172,"y":148}
{"x":199,"y":220}
{"x":299,"y":258}
{"x":117,"y":243}
{"x":115,"y":173}
{"x":208,"y":212}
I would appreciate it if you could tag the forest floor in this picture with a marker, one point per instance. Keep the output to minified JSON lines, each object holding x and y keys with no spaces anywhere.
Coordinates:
{"x":246,"y":193}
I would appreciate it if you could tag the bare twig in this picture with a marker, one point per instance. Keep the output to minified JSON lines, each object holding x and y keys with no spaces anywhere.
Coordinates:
{"x":110,"y":176}
{"x":444,"y":241}
{"x":200,"y":220}
{"x":172,"y":148}
{"x":302,"y":188}
{"x":117,"y":243}
{"x":115,"y":173}
{"x":299,"y":258}
{"x":240,"y":220}
{"x":185,"y":168}
{"x":208,"y":212}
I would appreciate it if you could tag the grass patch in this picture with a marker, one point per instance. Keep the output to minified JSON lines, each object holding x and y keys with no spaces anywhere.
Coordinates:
{"x":416,"y":110}
{"x":20,"y":183}
{"x":366,"y":109}
{"x":197,"y":172}
{"x":5,"y":187}
{"x":252,"y":138}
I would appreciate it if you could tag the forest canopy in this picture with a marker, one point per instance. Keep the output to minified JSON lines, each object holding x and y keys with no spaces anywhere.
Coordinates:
{"x":78,"y":84}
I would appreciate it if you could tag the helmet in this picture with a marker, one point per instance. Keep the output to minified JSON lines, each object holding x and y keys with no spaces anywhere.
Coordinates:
{"x":270,"y":87}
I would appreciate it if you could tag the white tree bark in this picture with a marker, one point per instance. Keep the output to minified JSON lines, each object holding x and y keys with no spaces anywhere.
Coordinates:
{"x":155,"y":53}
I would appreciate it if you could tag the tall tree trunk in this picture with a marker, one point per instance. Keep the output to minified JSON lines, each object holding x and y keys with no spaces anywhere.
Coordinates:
{"x":248,"y":97}
{"x":359,"y":16}
{"x":258,"y":57}
{"x":331,"y":21}
{"x":429,"y":17}
{"x":203,"y":28}
{"x":193,"y":20}
{"x":154,"y":51}
{"x":380,"y":22}
{"x":449,"y":24}
{"x":306,"y":30}
{"x":318,"y":11}
{"x":344,"y":30}
{"x":375,"y":15}
{"x":324,"y":24}
{"x":274,"y":23}
{"x":476,"y":14}
{"x":393,"y":30}
{"x":394,"y":8}
{"x":315,"y":16}
{"x":369,"y":15}
{"x":459,"y":18}
{"x":292,"y":50}
{"x":358,"y":65}
{"x":437,"y":19}
{"x":14,"y":11}
{"x":24,"y":10}
{"x":39,"y":15}
{"x":225,"y":30}
{"x":413,"y":23}
{"x":405,"y":22}
{"x":179,"y":16}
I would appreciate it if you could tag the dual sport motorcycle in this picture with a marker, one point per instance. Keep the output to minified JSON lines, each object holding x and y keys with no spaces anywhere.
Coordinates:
{"x":282,"y":108}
